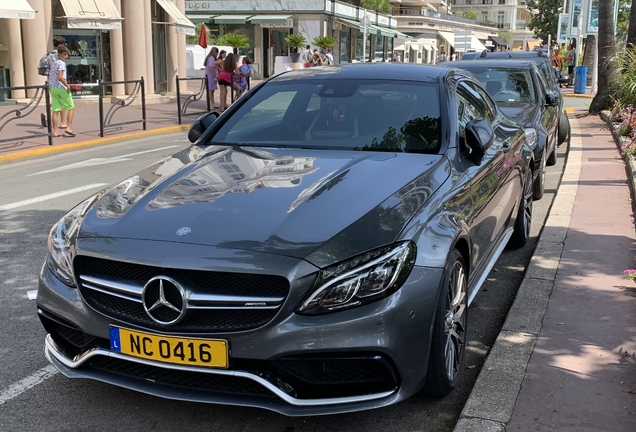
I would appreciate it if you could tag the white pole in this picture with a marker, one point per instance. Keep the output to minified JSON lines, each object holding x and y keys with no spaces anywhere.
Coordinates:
{"x":364,"y":36}
{"x":579,"y":30}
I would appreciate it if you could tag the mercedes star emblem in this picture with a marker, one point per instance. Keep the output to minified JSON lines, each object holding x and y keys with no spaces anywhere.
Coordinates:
{"x":184,"y":231}
{"x":164,"y":300}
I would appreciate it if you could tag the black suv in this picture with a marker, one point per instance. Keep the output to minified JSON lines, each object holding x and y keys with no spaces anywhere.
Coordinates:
{"x":542,"y":59}
{"x":521,"y":92}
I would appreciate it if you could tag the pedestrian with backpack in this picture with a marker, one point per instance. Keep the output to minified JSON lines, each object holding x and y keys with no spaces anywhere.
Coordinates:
{"x":61,"y":92}
{"x":44,"y":68}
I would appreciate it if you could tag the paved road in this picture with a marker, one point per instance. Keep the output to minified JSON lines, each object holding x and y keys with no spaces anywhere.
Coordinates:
{"x":36,"y":193}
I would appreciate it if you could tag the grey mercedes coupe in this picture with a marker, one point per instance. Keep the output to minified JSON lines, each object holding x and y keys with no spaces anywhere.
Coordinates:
{"x":314,"y":251}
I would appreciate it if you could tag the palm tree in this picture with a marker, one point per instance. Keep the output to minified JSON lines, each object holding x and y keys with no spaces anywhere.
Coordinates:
{"x":608,"y":71}
{"x":235,"y":40}
{"x":631,"y":35}
{"x":376,"y":5}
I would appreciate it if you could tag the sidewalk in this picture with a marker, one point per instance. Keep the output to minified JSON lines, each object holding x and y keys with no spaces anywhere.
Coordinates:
{"x":161,"y":119}
{"x":565,"y":359}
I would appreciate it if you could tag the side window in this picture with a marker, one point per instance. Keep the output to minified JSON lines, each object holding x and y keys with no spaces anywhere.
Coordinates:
{"x":478,"y":103}
{"x":543,"y":84}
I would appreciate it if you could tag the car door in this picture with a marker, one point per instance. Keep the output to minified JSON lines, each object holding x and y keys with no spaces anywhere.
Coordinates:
{"x":492,"y":186}
{"x":549,"y":114}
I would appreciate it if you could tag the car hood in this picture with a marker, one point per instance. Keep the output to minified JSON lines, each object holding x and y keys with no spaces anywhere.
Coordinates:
{"x":523,"y":113}
{"x":294,"y":202}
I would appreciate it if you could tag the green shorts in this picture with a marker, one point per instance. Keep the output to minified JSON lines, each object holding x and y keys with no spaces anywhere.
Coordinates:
{"x":62,"y":99}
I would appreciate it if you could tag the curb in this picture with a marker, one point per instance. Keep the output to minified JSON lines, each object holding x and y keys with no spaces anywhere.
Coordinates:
{"x":491,"y":403}
{"x":44,"y":151}
{"x":585,"y":96}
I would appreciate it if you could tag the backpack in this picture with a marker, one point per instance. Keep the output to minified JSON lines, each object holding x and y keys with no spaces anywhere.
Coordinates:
{"x":44,"y":66}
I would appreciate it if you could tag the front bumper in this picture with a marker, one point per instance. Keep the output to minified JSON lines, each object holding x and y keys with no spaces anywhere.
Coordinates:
{"x":373,"y":355}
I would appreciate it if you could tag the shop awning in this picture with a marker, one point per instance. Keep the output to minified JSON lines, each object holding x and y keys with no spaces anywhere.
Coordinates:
{"x":382,"y":30}
{"x":199,"y":19}
{"x":16,"y":9}
{"x":231,"y":19}
{"x":498,"y":41}
{"x":476,"y":45}
{"x":270,"y":19}
{"x":401,"y":35}
{"x":91,"y":14}
{"x":533,"y":44}
{"x":182,"y":24}
{"x":448,"y":37}
{"x":350,"y":23}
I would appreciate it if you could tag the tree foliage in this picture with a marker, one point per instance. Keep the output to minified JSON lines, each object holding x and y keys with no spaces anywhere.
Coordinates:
{"x":545,"y":19}
{"x":506,"y":36}
{"x":470,"y":15}
{"x":376,"y":5}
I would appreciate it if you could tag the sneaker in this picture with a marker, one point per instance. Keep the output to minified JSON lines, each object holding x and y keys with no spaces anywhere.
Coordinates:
{"x":43,"y":121}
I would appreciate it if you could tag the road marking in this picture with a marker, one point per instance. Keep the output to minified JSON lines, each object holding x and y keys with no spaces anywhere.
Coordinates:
{"x":569,"y":110}
{"x":32,"y":294}
{"x":23,"y":385}
{"x":100,"y":161}
{"x":50,"y":196}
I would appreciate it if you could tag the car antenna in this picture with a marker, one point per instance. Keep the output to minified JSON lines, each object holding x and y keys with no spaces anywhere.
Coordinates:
{"x":483,"y":54}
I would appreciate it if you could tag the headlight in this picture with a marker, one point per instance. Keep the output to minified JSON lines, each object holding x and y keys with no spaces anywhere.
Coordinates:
{"x":363,"y":279}
{"x":61,"y":243}
{"x":531,"y":136}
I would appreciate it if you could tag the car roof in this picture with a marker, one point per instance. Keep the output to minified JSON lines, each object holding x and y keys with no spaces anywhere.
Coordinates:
{"x":514,"y":55}
{"x":519,"y":64}
{"x":388,"y":71}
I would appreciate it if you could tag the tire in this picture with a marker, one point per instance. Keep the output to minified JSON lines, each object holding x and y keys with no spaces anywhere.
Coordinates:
{"x":538,"y":187}
{"x":552,"y":159}
{"x":523,"y":222}
{"x":563,"y":128}
{"x":449,"y":331}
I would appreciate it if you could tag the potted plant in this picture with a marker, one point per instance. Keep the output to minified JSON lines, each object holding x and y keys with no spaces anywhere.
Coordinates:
{"x":324,"y":42}
{"x":235,"y":40}
{"x":294,"y":42}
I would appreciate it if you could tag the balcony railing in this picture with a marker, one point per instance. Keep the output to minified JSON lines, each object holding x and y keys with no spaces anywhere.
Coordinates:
{"x":429,"y":14}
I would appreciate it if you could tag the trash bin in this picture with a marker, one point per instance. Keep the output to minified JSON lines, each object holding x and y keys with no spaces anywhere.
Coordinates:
{"x":580,"y":79}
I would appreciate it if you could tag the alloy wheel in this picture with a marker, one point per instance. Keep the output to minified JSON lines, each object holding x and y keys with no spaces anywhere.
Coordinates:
{"x":455,"y":320}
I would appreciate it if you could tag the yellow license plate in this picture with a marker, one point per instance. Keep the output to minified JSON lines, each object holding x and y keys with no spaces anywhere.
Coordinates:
{"x":168,"y":349}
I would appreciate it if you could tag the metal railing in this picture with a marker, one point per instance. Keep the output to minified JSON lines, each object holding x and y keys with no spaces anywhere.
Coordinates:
{"x":138,"y":90}
{"x":203,"y":91}
{"x":20,"y":113}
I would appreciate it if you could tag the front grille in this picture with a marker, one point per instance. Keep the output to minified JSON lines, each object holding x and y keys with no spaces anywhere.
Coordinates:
{"x":179,"y":378}
{"x":199,"y":320}
{"x":130,"y":309}
{"x":237,"y":284}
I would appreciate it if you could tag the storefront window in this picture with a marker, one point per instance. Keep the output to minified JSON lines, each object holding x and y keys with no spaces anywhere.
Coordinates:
{"x":379,"y":48}
{"x":359,"y":42}
{"x":345,"y":45}
{"x":389,"y":48}
{"x":89,"y":58}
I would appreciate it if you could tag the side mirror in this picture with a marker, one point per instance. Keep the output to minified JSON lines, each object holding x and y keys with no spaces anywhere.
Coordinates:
{"x":564,"y":79}
{"x":200,"y":125}
{"x":479,"y":136}
{"x":551,"y":99}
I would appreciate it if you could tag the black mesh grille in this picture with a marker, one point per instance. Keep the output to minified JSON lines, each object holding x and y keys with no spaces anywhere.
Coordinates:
{"x":178,"y":378}
{"x":76,"y":338}
{"x":195,"y":320}
{"x":336,"y":371}
{"x":204,"y":282}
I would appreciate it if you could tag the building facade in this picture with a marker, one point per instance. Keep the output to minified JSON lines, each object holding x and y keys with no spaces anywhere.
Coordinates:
{"x":505,"y":15}
{"x":109,"y":40}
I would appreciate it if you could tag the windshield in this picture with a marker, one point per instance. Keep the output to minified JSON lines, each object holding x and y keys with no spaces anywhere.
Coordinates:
{"x":365,"y":115}
{"x":510,"y":85}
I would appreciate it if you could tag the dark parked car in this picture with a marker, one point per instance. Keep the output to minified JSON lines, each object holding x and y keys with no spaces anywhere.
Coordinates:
{"x":542,"y":59}
{"x":521,"y":92}
{"x":315,"y":251}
